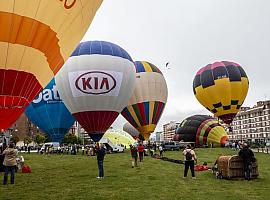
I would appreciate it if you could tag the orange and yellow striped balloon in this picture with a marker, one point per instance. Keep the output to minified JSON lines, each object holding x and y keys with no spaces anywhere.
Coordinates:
{"x":36,"y":37}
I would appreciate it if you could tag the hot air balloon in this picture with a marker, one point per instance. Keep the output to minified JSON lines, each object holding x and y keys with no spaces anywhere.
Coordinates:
{"x":203,"y":130}
{"x":221,"y":87}
{"x":117,"y":136}
{"x":148,"y":100}
{"x":131,"y":130}
{"x":49,"y":113}
{"x":36,"y":38}
{"x":96,"y":83}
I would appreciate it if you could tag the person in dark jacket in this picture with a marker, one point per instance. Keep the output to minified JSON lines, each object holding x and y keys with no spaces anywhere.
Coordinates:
{"x":2,"y":169}
{"x":134,"y":155}
{"x":248,"y":156}
{"x":100,"y":152}
{"x":28,"y":149}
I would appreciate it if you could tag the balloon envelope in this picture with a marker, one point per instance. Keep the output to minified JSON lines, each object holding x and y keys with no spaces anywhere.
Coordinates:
{"x":36,"y":38}
{"x":148,"y":100}
{"x":131,"y":130}
{"x":221,"y":87}
{"x":119,"y":137}
{"x":49,"y":113}
{"x":96,"y":83}
{"x":203,"y":130}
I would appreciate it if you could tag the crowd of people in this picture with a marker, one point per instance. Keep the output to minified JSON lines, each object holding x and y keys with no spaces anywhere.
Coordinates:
{"x":190,"y":158}
{"x":63,"y":149}
{"x":11,"y":162}
{"x":139,"y":150}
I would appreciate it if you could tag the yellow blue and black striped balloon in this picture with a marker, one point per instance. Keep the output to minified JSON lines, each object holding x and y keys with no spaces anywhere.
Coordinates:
{"x":221,"y":87}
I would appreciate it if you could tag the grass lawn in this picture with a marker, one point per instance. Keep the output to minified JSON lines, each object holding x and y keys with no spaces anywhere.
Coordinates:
{"x":74,"y":177}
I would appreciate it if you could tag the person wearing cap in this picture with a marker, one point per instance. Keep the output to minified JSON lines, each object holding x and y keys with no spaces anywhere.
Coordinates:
{"x":10,"y":163}
{"x":248,"y":156}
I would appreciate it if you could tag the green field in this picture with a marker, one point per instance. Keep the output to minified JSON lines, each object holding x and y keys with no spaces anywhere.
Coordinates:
{"x":74,"y":177}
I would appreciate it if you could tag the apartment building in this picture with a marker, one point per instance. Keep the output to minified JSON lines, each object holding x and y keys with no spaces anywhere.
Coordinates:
{"x":23,"y":128}
{"x":169,"y":130}
{"x":252,"y":124}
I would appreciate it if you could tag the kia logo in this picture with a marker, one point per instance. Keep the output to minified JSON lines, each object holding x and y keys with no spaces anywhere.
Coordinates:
{"x":95,"y":82}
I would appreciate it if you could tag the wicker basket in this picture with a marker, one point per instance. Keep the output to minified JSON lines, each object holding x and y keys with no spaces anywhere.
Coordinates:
{"x":232,"y":167}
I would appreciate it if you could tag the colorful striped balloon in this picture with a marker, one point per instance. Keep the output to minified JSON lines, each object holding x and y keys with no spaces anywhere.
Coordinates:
{"x":202,"y":130}
{"x":221,"y":87}
{"x":148,"y":100}
{"x":95,"y":84}
{"x":36,"y":38}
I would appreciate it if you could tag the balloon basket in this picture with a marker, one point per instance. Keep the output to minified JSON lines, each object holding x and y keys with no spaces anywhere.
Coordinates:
{"x":232,"y":167}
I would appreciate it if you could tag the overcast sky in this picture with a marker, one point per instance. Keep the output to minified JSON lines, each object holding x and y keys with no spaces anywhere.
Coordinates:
{"x":190,"y":34}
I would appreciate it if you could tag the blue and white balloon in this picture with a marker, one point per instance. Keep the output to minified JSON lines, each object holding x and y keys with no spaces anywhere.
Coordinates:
{"x":49,"y":113}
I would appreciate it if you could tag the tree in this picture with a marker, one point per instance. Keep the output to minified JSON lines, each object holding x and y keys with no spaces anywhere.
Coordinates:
{"x":71,"y":139}
{"x":48,"y":138}
{"x":15,"y":139}
{"x":86,"y":141}
{"x":79,"y":140}
{"x":40,"y":139}
{"x":27,"y":140}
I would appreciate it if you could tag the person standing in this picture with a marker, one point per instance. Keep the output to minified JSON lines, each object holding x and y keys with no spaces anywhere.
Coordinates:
{"x":82,"y":149}
{"x":87,"y":150}
{"x":100,"y":152}
{"x":248,"y":156}
{"x":141,"y":151}
{"x":189,"y":158}
{"x":78,"y":148}
{"x":134,"y":155}
{"x":160,"y":150}
{"x":2,"y":168}
{"x":10,"y":163}
{"x":28,"y":149}
{"x":155,"y":147}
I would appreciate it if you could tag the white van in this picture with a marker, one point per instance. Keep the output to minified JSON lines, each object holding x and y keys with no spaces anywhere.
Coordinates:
{"x":49,"y":144}
{"x":111,"y":147}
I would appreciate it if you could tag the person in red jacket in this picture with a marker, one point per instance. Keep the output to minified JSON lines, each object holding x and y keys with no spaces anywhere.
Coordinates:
{"x":141,"y":151}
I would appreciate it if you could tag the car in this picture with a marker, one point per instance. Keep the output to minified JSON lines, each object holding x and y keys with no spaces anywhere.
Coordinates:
{"x":171,"y":146}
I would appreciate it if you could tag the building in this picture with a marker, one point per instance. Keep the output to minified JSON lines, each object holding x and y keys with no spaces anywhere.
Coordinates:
{"x":169,"y":130}
{"x":252,"y":124}
{"x":157,"y":136}
{"x":23,"y":128}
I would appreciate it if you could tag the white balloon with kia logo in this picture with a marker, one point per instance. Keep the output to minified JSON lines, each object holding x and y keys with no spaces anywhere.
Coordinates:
{"x":96,"y":83}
